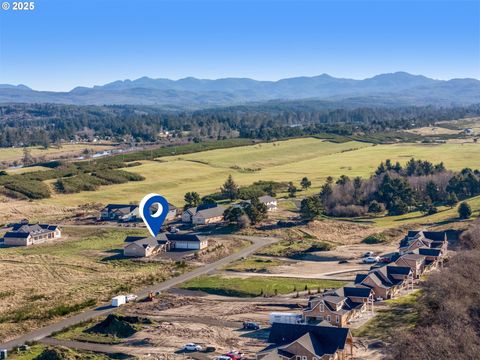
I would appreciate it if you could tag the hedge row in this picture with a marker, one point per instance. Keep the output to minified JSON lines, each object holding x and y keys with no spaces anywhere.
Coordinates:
{"x":33,"y":189}
{"x":82,"y":182}
{"x":117,"y":176}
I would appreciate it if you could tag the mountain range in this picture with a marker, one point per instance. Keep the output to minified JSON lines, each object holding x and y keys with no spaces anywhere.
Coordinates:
{"x":398,"y":88}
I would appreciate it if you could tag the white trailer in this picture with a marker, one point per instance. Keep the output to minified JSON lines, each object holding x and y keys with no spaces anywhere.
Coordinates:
{"x":119,"y":300}
{"x":285,"y":318}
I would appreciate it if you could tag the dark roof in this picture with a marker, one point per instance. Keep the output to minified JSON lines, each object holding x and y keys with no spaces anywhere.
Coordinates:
{"x":24,"y":230}
{"x":160,"y":239}
{"x":328,"y":339}
{"x":400,"y":270}
{"x":182,"y":237}
{"x":111,"y":207}
{"x":359,"y":278}
{"x":353,"y":291}
{"x":428,"y":252}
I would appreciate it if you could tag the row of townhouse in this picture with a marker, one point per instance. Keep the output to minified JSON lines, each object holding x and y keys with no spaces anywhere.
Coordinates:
{"x":325,"y":335}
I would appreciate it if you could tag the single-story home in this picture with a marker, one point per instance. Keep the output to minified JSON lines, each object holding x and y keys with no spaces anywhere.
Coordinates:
{"x":125,"y":213}
{"x":145,"y":247}
{"x":307,"y":342}
{"x":204,"y":214}
{"x":26,"y":234}
{"x":119,"y":212}
{"x":269,"y":201}
{"x":138,"y":246}
{"x":339,"y":306}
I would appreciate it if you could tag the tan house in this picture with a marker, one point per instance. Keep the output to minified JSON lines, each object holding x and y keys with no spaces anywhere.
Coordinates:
{"x":424,"y":239}
{"x":26,"y":234}
{"x":386,"y":281}
{"x":416,"y":262}
{"x":339,"y":306}
{"x":145,"y":247}
{"x":212,"y":215}
{"x":307,"y":342}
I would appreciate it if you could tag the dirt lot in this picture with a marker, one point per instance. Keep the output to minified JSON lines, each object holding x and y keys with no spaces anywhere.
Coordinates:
{"x":207,"y":320}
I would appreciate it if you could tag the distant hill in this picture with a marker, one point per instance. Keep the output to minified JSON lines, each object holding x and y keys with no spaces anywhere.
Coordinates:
{"x":397,"y":88}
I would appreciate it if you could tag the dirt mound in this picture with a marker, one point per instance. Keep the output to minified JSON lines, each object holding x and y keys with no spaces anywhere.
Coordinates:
{"x":119,"y":326}
{"x":58,"y":353}
{"x":340,"y":232}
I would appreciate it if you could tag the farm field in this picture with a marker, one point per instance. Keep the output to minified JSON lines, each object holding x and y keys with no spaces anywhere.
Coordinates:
{"x":288,"y":160}
{"x":12,"y":154}
{"x":44,"y":281}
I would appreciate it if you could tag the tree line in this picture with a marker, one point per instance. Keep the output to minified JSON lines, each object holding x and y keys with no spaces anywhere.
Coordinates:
{"x":46,"y":124}
{"x":396,"y":190}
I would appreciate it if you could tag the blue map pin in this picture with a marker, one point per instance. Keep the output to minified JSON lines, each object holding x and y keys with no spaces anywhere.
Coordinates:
{"x":153,"y":221}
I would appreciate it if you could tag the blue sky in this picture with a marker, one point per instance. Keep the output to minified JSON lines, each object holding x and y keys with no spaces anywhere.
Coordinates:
{"x":65,"y":43}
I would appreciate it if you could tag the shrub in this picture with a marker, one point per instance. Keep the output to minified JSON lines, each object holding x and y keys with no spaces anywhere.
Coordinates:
{"x":117,"y":176}
{"x":374,"y":239}
{"x":347,"y":211}
{"x":31,"y":188}
{"x":464,"y":211}
{"x":83,"y":182}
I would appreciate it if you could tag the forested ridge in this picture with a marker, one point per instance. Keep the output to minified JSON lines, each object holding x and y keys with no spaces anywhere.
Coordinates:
{"x":44,"y":124}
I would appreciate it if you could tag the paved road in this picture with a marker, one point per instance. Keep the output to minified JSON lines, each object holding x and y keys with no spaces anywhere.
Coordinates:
{"x":105,"y":309}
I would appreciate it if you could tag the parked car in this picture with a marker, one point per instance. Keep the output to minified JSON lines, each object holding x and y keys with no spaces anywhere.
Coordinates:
{"x":234,"y":354}
{"x":192,"y":347}
{"x":209,"y":349}
{"x":370,"y":260}
{"x":368,"y":254}
{"x":249,"y":325}
{"x":343,"y":261}
{"x":24,"y":347}
{"x":222,"y":357}
{"x":131,"y":297}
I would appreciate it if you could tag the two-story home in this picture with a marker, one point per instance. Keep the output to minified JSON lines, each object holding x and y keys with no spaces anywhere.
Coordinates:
{"x":27,"y":234}
{"x":307,"y":342}
{"x":339,"y":306}
{"x":386,"y":281}
{"x":416,"y":262}
{"x":423,"y":239}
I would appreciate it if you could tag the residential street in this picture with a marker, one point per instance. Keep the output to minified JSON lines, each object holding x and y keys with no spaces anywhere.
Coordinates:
{"x":105,"y":309}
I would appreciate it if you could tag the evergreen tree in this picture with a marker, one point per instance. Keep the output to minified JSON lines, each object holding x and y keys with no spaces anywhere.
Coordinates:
{"x":292,"y":190}
{"x":192,"y":199}
{"x":305,"y":183}
{"x":464,"y":211}
{"x":256,"y":211}
{"x":310,"y":207}
{"x":229,"y":188}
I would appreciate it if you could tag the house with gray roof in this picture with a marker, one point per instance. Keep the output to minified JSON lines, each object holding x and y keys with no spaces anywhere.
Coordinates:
{"x":307,"y":342}
{"x":204,"y":214}
{"x":386,"y":281}
{"x":340,"y":306}
{"x":31,"y":234}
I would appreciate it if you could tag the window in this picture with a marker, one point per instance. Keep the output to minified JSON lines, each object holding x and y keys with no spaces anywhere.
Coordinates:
{"x":337,"y":320}
{"x":322,"y":308}
{"x":304,"y":358}
{"x":328,"y":318}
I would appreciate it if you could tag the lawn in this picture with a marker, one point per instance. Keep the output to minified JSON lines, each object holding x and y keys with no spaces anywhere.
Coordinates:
{"x":399,"y":313}
{"x":44,"y":281}
{"x":256,"y":286}
{"x":254,"y":264}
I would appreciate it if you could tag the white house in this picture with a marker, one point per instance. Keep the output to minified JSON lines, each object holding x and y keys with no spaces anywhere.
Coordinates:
{"x":26,"y":234}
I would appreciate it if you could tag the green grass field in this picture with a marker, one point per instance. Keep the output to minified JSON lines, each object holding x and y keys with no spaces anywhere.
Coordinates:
{"x":289,"y":160}
{"x":400,"y":313}
{"x":254,"y":264}
{"x":255,"y":286}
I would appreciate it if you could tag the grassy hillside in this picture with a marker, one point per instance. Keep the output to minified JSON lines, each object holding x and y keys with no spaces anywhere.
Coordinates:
{"x":290,"y":160}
